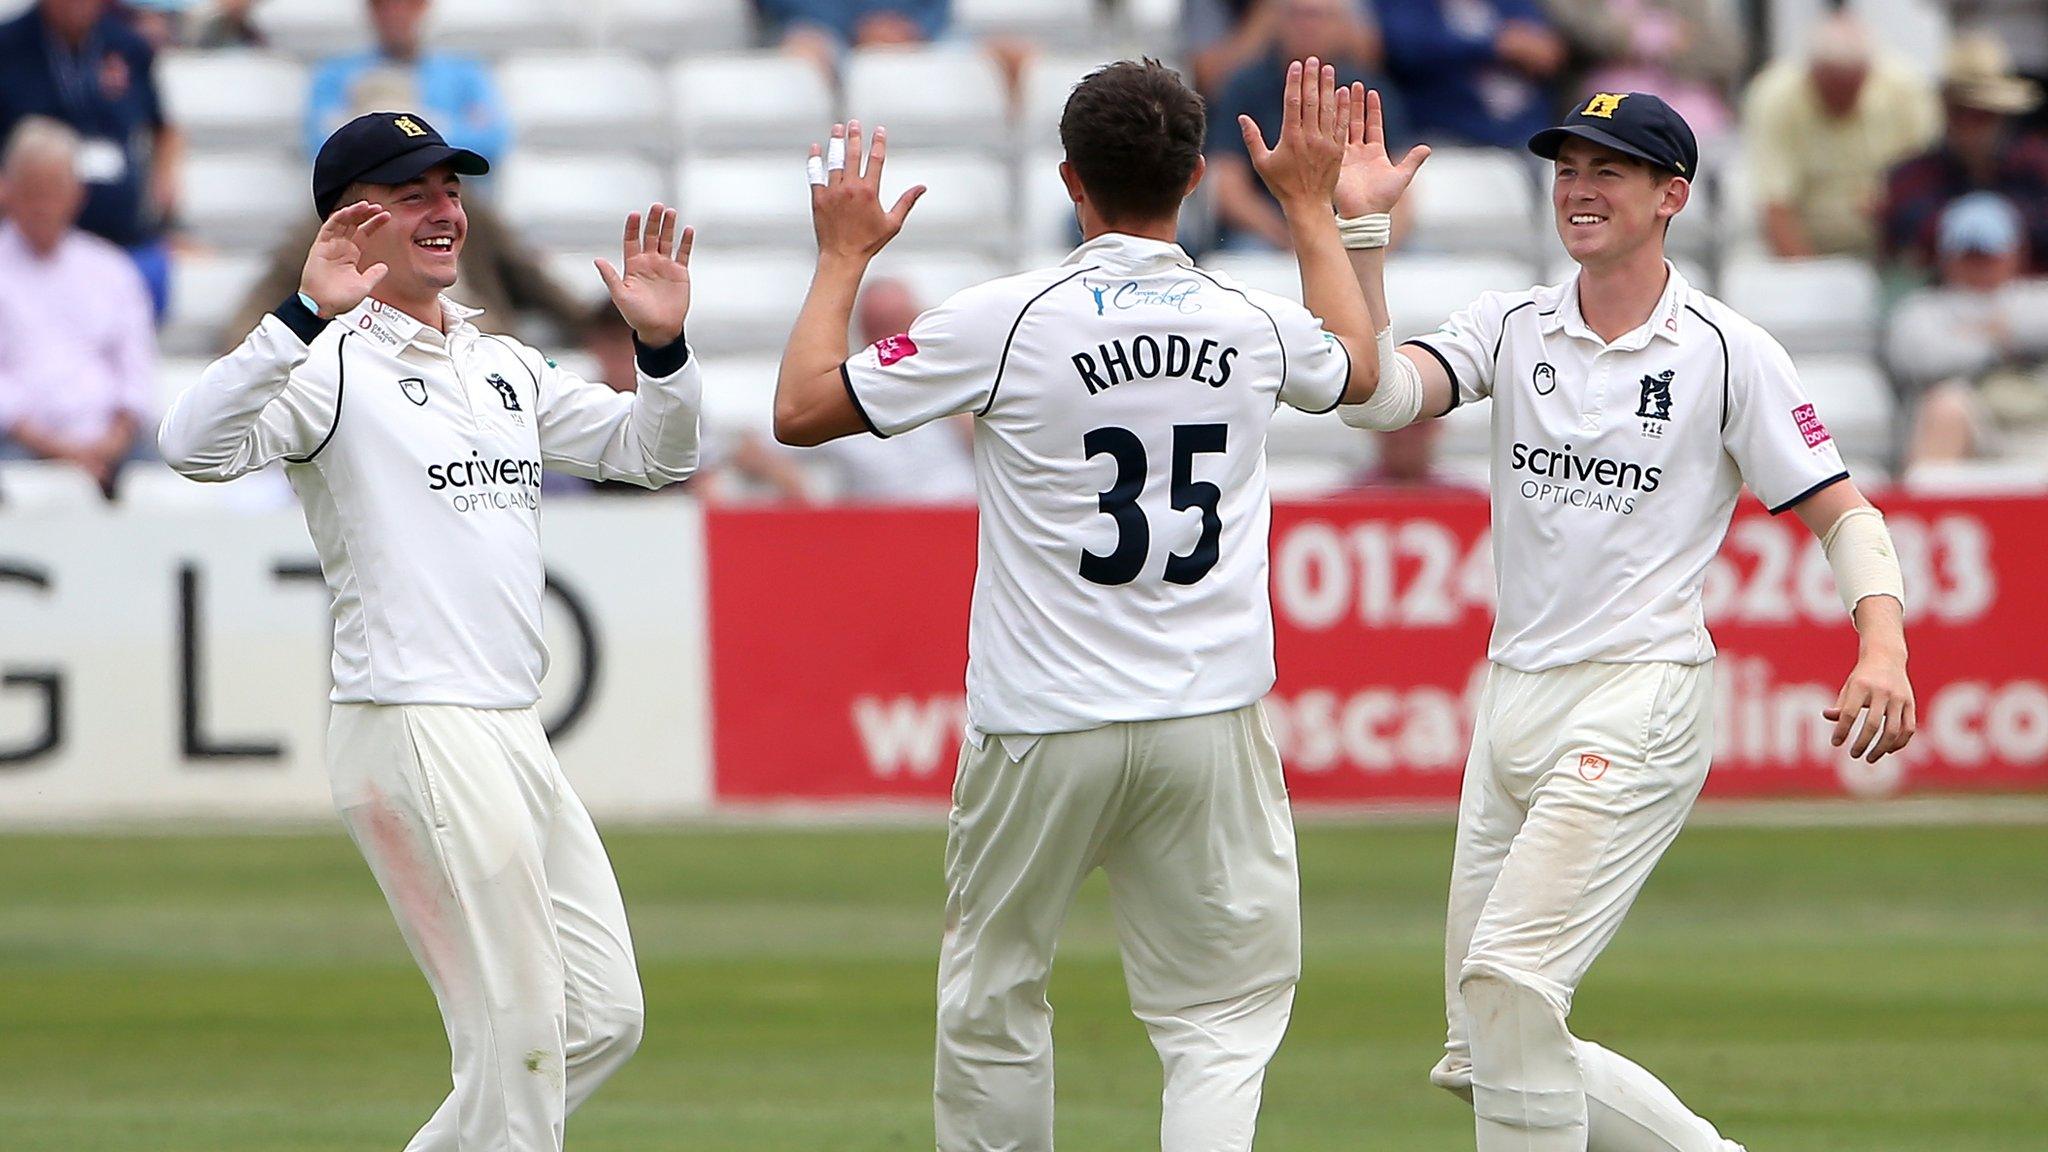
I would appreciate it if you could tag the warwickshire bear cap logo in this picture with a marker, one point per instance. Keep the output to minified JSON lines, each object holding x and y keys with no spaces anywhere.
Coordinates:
{"x":1656,"y":404}
{"x":1604,"y":104}
{"x":505,"y":391}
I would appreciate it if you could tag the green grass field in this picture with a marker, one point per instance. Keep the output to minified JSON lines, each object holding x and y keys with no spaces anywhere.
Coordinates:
{"x":1882,"y":990}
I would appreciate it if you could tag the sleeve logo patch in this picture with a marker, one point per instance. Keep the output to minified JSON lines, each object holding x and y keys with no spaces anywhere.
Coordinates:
{"x":1810,"y":427}
{"x":890,"y":349}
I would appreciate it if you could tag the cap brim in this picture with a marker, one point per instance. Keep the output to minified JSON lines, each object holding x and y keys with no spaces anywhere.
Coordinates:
{"x":399,"y":169}
{"x":1550,"y":141}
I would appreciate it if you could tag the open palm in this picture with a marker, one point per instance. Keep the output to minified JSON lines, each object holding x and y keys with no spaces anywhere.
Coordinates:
{"x":653,"y":290}
{"x":1370,"y":181}
{"x":331,"y":276}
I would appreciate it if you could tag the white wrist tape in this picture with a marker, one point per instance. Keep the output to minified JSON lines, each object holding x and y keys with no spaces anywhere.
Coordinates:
{"x":1859,"y":549}
{"x":1372,"y":230}
{"x":1396,"y":400}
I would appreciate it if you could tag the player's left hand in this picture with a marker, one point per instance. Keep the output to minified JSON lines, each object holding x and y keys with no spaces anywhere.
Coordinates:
{"x":1370,"y":181}
{"x":653,"y":291}
{"x":1301,"y":170}
{"x":1879,"y":691}
{"x":846,"y":209}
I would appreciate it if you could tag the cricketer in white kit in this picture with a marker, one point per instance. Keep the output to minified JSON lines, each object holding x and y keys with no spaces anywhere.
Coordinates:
{"x":1120,"y":638}
{"x":416,"y":445}
{"x":1629,"y":409}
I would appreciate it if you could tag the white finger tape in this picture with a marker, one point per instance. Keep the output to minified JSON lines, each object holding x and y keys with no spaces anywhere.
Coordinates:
{"x":835,"y":154}
{"x":814,"y":169}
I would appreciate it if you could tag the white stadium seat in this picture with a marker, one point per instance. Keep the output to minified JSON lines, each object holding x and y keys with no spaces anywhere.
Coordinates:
{"x":1811,"y":306}
{"x":1423,"y":291}
{"x":966,"y":204}
{"x":929,"y":98}
{"x":743,"y":399}
{"x":152,"y":487}
{"x":491,"y":26}
{"x":1045,"y":21}
{"x":1047,"y":84}
{"x":1474,"y":200}
{"x":48,"y":487}
{"x":174,"y":374}
{"x":1047,"y":215}
{"x":571,"y":268}
{"x":1855,"y":402}
{"x":233,"y":99}
{"x":747,"y":200}
{"x":1274,"y":272}
{"x":576,"y":200}
{"x":663,"y":27}
{"x":1307,"y":477}
{"x":316,"y":28}
{"x":932,"y":277}
{"x":742,"y":301}
{"x":1979,"y":478}
{"x":206,"y":288}
{"x":586,"y":100}
{"x":765,"y":102}
{"x":243,"y":200}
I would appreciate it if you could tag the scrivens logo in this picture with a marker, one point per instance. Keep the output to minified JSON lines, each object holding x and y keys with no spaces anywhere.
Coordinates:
{"x":480,"y":483}
{"x":1562,"y":476}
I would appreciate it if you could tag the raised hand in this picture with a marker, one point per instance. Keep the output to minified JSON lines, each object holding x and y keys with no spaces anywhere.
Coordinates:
{"x":1370,"y":180}
{"x":1301,"y":169}
{"x":846,"y":210}
{"x":331,"y":277}
{"x":653,"y":291}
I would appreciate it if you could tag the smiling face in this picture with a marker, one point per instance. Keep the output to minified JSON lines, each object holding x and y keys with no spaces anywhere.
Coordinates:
{"x":423,"y":242}
{"x":1610,"y":205}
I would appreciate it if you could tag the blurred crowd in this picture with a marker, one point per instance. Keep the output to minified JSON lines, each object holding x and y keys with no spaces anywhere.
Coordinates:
{"x":1845,"y":149}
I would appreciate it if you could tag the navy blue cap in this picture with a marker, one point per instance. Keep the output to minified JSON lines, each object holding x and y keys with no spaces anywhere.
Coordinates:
{"x":1633,"y":123}
{"x":383,"y":148}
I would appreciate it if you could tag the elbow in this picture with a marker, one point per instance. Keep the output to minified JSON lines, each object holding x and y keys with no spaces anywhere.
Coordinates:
{"x":793,"y":427}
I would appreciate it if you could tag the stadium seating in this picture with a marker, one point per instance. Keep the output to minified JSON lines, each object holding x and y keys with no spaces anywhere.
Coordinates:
{"x":611,"y":100}
{"x":745,"y":302}
{"x":1423,"y":291}
{"x":48,"y":487}
{"x":1474,"y":200}
{"x":762,"y":102}
{"x":1060,"y":22}
{"x":489,"y":26}
{"x":206,"y":288}
{"x":243,"y":200}
{"x":667,"y":27}
{"x":233,"y":99}
{"x":152,"y":487}
{"x":1811,"y":306}
{"x":930,"y":98}
{"x":744,"y":400}
{"x":746,"y":200}
{"x":574,"y":199}
{"x":966,"y":205}
{"x":1046,"y":214}
{"x":933,"y":276}
{"x":1855,"y":402}
{"x":1978,"y":478}
{"x":1047,"y":84}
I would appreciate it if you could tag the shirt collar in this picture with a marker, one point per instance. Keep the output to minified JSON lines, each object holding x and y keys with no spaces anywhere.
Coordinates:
{"x":392,"y":330}
{"x":1123,"y":252}
{"x":1563,"y":313}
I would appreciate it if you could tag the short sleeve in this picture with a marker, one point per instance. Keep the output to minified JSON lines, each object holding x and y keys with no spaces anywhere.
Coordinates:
{"x":945,"y":365}
{"x":1315,"y":365}
{"x":1468,"y":347}
{"x":1773,"y":432}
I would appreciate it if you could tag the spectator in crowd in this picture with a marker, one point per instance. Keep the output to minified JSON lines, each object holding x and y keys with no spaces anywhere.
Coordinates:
{"x":497,"y":274}
{"x":77,"y":62}
{"x":1981,"y":149}
{"x":2022,"y":26}
{"x":931,"y":465}
{"x":1219,"y":37}
{"x":1336,"y":31}
{"x":1975,"y":347}
{"x":1823,"y":131}
{"x":1473,"y":71}
{"x":1690,"y":52}
{"x":227,"y":24}
{"x":77,"y":348}
{"x":160,"y":23}
{"x":1406,"y":460}
{"x":453,"y":91}
{"x":822,"y":30}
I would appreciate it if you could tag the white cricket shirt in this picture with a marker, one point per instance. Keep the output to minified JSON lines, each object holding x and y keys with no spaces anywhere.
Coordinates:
{"x":418,"y":461}
{"x":1616,"y":466}
{"x":1122,"y":400}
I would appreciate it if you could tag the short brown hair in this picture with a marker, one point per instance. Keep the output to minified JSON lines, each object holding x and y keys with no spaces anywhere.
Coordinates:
{"x":1133,"y":133}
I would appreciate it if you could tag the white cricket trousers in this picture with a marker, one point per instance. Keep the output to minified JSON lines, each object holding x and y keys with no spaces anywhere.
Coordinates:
{"x":1189,"y":818}
{"x":1579,"y":778}
{"x":507,"y":900}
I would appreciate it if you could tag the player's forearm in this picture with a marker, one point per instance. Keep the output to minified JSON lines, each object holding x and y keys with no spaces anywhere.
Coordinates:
{"x":209,"y":431}
{"x":807,"y":383}
{"x":1330,"y":289}
{"x":1369,"y":267}
{"x":1881,"y":627}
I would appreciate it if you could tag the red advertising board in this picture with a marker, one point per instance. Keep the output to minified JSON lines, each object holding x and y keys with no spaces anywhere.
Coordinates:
{"x":838,"y":648}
